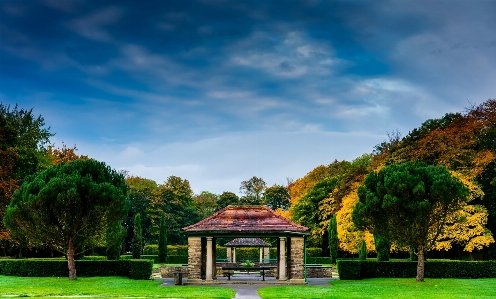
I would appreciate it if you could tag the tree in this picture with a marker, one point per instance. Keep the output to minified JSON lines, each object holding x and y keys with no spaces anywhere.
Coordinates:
{"x":333,"y":239}
{"x":23,"y":144}
{"x":409,"y":202}
{"x":253,"y":191}
{"x":66,"y":205}
{"x":382,"y":246}
{"x":137,"y":237}
{"x":114,"y":236}
{"x":277,"y":197}
{"x":226,"y":199}
{"x":205,"y":203}
{"x":362,"y":254}
{"x":162,"y":241}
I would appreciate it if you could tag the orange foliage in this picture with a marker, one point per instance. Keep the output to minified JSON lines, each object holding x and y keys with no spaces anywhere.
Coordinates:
{"x":64,"y":154}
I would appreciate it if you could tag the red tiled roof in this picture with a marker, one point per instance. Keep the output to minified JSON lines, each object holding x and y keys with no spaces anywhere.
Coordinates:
{"x":247,"y":242}
{"x":239,"y":219}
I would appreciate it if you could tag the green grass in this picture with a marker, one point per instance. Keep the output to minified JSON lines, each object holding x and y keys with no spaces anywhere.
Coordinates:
{"x":389,"y":288}
{"x":114,"y":287}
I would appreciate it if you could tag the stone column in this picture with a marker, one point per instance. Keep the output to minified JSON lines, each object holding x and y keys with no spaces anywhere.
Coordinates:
{"x":229,"y":257}
{"x":194,"y":259}
{"x":297,"y":260}
{"x":282,"y":258}
{"x":209,"y":270}
{"x":260,"y":253}
{"x":234,"y":255}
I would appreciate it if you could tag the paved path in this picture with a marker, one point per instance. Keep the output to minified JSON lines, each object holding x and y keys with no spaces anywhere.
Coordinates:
{"x":249,"y":291}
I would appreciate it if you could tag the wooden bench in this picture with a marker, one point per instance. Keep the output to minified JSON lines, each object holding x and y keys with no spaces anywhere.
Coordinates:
{"x":230,"y":271}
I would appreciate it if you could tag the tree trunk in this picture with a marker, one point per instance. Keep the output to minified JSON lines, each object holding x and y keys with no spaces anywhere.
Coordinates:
{"x":70,"y":261}
{"x":420,"y":265}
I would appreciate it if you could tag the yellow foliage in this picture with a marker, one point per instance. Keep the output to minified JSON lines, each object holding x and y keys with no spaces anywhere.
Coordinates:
{"x":350,"y":238}
{"x":466,"y":227}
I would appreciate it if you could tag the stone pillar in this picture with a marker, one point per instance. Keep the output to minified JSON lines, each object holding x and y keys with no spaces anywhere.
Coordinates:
{"x":282,"y":258}
{"x":297,"y":260}
{"x":234,"y":255}
{"x":194,"y":259}
{"x":209,"y":270}
{"x":229,"y":257}
{"x":261,"y":254}
{"x":267,"y":253}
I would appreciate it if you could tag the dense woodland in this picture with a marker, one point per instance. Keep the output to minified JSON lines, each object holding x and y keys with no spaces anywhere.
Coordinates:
{"x":465,"y":143}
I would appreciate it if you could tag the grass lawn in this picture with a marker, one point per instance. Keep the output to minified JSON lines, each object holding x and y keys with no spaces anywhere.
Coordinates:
{"x":114,"y":287}
{"x":389,"y":288}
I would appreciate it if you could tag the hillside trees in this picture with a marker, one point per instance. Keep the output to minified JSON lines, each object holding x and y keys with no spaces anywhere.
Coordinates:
{"x":66,"y":205}
{"x":409,"y":202}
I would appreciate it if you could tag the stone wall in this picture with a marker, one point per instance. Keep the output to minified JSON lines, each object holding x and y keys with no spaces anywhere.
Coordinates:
{"x":319,"y":272}
{"x":296,"y":256}
{"x":194,"y":258}
{"x":168,"y":272}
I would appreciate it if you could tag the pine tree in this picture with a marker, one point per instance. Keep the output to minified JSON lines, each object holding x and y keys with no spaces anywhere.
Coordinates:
{"x":363,"y":251}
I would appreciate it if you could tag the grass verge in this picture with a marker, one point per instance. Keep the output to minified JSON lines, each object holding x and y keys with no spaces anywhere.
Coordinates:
{"x":114,"y":287}
{"x":390,"y":288}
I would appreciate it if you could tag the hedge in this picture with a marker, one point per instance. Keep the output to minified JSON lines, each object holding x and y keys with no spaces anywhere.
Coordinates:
{"x":135,"y":269}
{"x":318,"y":260}
{"x":171,"y":249}
{"x":171,"y":259}
{"x":354,"y":270}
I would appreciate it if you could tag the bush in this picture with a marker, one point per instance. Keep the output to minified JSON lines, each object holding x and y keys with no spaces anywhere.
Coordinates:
{"x":177,"y":259}
{"x":171,"y":249}
{"x":94,"y":258}
{"x":140,"y":269}
{"x":355,"y":269}
{"x":318,"y":260}
{"x":314,"y":252}
{"x":150,"y":249}
{"x":135,"y":269}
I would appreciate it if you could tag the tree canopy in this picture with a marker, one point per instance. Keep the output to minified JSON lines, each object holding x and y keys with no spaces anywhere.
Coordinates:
{"x":66,"y":205}
{"x":410,"y":204}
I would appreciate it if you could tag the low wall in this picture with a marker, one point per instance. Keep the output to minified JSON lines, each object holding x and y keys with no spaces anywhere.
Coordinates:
{"x":168,"y":272}
{"x":319,"y":272}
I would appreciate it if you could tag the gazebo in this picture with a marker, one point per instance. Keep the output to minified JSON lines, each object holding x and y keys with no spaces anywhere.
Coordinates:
{"x":246,"y":242}
{"x":246,"y":222}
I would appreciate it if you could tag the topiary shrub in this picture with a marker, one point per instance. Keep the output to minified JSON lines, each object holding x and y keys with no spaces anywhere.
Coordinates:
{"x":140,"y":269}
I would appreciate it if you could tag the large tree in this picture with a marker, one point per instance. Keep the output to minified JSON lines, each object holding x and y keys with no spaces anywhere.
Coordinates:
{"x":205,"y":203}
{"x":277,"y":197}
{"x":227,"y":198}
{"x":409,"y":202}
{"x":66,"y":205}
{"x":24,"y":141}
{"x":253,"y":190}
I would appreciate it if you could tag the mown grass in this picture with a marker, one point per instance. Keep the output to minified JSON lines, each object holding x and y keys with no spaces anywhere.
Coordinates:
{"x":389,"y":288}
{"x":114,"y":287}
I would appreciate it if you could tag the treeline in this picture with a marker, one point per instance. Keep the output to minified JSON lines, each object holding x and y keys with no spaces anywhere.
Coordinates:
{"x":465,"y":143}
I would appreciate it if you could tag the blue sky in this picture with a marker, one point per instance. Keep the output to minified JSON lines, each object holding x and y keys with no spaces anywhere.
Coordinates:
{"x":218,"y":91}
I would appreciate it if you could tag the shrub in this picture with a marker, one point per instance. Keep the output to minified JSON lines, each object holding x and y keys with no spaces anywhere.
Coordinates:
{"x":150,"y":249}
{"x":177,"y":259}
{"x":356,"y":269}
{"x":135,"y":269}
{"x":314,"y":252}
{"x":318,"y":260}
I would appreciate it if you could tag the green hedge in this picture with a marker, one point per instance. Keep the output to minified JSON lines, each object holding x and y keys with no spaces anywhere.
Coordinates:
{"x":353,"y":269}
{"x":318,"y":260}
{"x":171,"y":249}
{"x":314,"y":252}
{"x":135,"y":269}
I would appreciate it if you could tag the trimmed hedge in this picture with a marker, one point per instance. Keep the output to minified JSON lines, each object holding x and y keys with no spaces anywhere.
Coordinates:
{"x":314,"y":252}
{"x":171,"y":249}
{"x":135,"y":269}
{"x":318,"y":260}
{"x":355,"y":270}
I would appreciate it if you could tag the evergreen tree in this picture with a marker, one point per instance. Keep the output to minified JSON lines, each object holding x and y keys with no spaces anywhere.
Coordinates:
{"x":137,"y":237}
{"x":114,"y":237}
{"x":333,"y":239}
{"x":363,"y":251}
{"x":382,"y":246}
{"x":162,"y":241}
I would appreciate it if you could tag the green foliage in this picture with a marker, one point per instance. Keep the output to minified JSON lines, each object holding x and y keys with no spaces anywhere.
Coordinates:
{"x":318,"y":260}
{"x":67,"y":205}
{"x":140,"y":269}
{"x":162,"y":241}
{"x":409,"y":202}
{"x":137,"y":237}
{"x":333,"y":239}
{"x":205,"y":203}
{"x":277,"y":197}
{"x":314,"y":252}
{"x":355,"y":269}
{"x":171,"y":249}
{"x":382,"y":247}
{"x":135,"y":269}
{"x":253,"y":190}
{"x":114,"y":237}
{"x":362,"y":254}
{"x":226,"y":199}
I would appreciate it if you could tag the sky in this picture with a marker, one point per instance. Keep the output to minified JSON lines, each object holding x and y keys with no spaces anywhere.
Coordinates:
{"x":219,"y":91}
